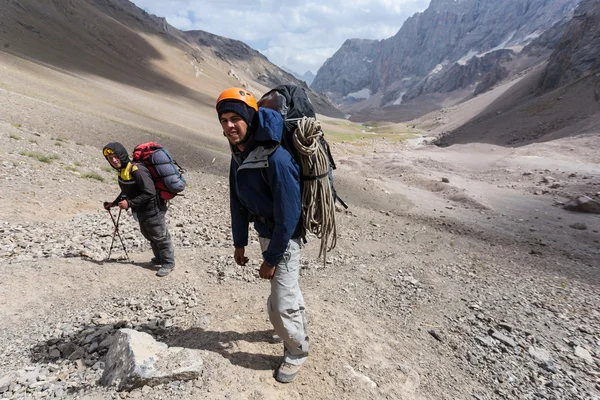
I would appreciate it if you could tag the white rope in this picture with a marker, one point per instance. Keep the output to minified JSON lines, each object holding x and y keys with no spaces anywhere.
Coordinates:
{"x":318,"y":208}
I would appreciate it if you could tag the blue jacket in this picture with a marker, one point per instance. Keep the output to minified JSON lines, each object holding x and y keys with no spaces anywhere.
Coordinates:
{"x":264,"y":182}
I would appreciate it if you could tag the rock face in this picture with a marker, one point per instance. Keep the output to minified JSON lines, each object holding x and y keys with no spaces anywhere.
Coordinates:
{"x":350,"y":68}
{"x":135,"y":360}
{"x":577,"y":55}
{"x":487,"y":69}
{"x":431,"y":42}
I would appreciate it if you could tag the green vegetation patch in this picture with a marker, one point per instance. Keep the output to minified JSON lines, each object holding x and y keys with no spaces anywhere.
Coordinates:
{"x":39,"y":156}
{"x":93,"y":175}
{"x":107,"y":169}
{"x":71,"y":168}
{"x":16,"y":137}
{"x":342,"y":130}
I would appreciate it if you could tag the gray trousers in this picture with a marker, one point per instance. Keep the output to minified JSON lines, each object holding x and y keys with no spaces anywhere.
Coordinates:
{"x":155,"y":231}
{"x":286,"y":304}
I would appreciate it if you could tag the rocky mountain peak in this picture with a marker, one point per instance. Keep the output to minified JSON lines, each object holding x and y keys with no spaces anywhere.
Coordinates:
{"x":448,"y":32}
{"x":577,"y":55}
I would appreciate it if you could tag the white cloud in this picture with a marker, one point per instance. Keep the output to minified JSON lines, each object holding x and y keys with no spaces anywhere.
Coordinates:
{"x":296,"y":34}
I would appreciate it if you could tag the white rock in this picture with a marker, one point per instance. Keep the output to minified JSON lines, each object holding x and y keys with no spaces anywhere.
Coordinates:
{"x":135,"y":359}
{"x":540,"y":355}
{"x":584,"y":354}
{"x":365,"y":379}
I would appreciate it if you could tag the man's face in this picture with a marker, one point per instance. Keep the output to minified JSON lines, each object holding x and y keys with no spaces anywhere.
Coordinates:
{"x":234,"y":127}
{"x":114,"y":161}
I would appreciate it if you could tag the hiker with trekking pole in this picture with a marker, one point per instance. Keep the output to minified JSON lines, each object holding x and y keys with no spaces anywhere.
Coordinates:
{"x":264,"y":184}
{"x":138,"y":193}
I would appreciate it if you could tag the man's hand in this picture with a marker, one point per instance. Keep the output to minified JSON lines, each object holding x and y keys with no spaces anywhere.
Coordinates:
{"x":123,"y":205}
{"x":238,"y":255}
{"x":108,"y":205}
{"x":267,"y":271}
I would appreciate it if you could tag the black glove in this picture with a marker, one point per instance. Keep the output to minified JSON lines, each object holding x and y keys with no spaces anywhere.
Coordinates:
{"x":108,"y":205}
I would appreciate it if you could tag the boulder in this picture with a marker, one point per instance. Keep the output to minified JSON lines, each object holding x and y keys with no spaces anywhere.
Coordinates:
{"x":583,"y":204}
{"x":135,"y":359}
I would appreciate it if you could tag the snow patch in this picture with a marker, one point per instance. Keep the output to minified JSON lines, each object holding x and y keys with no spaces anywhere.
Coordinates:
{"x":504,"y":43}
{"x":438,"y":68}
{"x":398,"y":101}
{"x":531,"y":36}
{"x":464,"y":59}
{"x":361,"y":94}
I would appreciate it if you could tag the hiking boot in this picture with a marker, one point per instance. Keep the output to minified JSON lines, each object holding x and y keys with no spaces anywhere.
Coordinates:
{"x":164,"y":270}
{"x":287,"y":372}
{"x":156,"y":261}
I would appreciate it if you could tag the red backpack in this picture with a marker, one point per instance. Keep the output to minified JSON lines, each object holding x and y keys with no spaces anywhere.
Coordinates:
{"x":166,"y":173}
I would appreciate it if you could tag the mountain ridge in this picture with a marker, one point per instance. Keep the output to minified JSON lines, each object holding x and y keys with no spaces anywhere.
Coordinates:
{"x":430,"y":42}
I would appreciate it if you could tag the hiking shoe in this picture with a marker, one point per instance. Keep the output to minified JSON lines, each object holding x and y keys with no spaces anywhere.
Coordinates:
{"x":164,"y":271}
{"x":287,"y":372}
{"x":155,"y":261}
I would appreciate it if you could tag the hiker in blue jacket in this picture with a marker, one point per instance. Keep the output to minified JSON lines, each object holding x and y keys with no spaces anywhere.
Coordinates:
{"x":264,"y":183}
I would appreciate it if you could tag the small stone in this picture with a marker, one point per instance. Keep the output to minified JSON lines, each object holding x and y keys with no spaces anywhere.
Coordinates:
{"x":107,"y":342}
{"x":549,"y":366}
{"x":485,"y":341}
{"x":80,"y":365}
{"x":502,"y":338}
{"x":166,"y":323}
{"x":540,"y":355}
{"x":445,"y":180}
{"x":5,"y":383}
{"x":54,"y":354}
{"x":583,"y":204}
{"x":53,"y":367}
{"x":579,"y":226}
{"x":583,"y":354}
{"x":548,"y":179}
{"x":77,"y":354}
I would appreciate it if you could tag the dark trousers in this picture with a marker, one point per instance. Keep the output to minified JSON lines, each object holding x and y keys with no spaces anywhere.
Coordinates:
{"x":155,"y":230}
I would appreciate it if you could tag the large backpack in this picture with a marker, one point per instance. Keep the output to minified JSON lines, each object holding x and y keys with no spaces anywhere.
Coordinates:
{"x":293,"y":104}
{"x":166,"y":173}
{"x":316,"y":170}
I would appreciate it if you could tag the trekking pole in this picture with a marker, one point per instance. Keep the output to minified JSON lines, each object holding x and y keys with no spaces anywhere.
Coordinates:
{"x":116,"y":233}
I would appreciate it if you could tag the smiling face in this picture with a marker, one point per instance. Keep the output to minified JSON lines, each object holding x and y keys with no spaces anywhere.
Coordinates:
{"x":235,"y":129}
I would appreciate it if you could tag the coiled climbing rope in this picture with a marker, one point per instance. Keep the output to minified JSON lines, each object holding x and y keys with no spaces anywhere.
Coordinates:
{"x":318,"y":208}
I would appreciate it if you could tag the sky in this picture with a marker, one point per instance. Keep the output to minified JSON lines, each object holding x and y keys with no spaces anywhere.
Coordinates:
{"x":296,"y":34}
